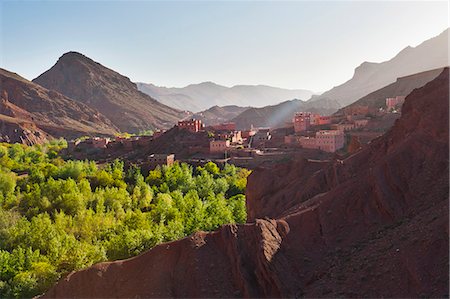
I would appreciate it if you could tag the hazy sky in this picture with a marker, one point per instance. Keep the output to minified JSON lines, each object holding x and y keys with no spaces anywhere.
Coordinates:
{"x":297,"y":44}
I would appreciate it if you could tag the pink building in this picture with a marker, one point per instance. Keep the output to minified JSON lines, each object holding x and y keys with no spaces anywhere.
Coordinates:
{"x":324,"y":120}
{"x":237,"y":137}
{"x":193,"y":125}
{"x":302,"y":121}
{"x":314,"y":119}
{"x":391,"y":103}
{"x":219,"y":146}
{"x":329,"y":140}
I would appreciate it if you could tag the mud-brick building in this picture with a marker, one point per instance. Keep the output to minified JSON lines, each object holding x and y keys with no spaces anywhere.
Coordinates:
{"x":302,"y":121}
{"x":160,"y":159}
{"x":219,"y":146}
{"x":330,"y":140}
{"x":193,"y":125}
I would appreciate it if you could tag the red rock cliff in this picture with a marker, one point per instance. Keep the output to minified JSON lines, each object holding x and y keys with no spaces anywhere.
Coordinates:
{"x":373,"y":225}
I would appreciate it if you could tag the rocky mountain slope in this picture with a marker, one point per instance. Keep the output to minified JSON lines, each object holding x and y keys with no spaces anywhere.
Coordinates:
{"x":202,"y":96}
{"x":278,"y":115}
{"x":114,"y":95}
{"x":372,"y":225}
{"x":370,"y":76}
{"x":401,"y":87}
{"x":216,"y":114}
{"x":45,"y":112}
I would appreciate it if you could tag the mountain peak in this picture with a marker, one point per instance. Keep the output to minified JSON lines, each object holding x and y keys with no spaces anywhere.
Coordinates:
{"x":85,"y":80}
{"x":73,"y":56}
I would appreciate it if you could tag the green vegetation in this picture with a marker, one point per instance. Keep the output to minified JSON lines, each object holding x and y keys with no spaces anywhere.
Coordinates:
{"x":57,"y":216}
{"x":148,"y":132}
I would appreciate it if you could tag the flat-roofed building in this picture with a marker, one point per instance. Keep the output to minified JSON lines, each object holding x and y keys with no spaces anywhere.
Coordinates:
{"x":193,"y":125}
{"x":324,"y":120}
{"x":393,"y":103}
{"x":330,"y":140}
{"x":161,"y":159}
{"x":302,"y":121}
{"x":219,"y":146}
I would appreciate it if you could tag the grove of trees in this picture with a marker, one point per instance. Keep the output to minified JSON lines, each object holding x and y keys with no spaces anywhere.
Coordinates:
{"x":57,"y":216}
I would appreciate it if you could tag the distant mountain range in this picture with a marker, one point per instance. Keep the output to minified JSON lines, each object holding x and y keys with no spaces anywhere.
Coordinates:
{"x":216,"y":115}
{"x":30,"y":113}
{"x":198,"y":97}
{"x":115,"y":96}
{"x":370,"y":76}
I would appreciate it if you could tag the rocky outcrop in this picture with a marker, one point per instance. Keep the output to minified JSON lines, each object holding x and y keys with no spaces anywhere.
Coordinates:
{"x":372,"y":225}
{"x":14,"y":131}
{"x":115,"y":96}
{"x":23,"y":102}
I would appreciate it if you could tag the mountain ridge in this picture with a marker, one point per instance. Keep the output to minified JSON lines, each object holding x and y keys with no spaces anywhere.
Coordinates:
{"x":87,"y":81}
{"x":49,"y":110}
{"x":370,"y":76}
{"x":204,"y":95}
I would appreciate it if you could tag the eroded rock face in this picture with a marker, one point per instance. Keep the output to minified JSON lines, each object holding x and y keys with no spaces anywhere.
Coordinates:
{"x":373,"y":225}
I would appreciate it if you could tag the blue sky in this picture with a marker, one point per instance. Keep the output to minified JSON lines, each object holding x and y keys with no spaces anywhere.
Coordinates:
{"x":297,"y":44}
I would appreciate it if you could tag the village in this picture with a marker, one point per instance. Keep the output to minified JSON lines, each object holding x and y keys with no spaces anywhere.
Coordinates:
{"x":308,"y":135}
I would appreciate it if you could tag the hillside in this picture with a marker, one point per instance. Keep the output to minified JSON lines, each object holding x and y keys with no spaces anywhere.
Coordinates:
{"x":370,"y":76}
{"x":202,"y":96}
{"x":114,"y":95}
{"x":372,"y":225}
{"x":401,"y":87}
{"x":217,"y":114}
{"x":42,"y":110}
{"x":278,"y":115}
